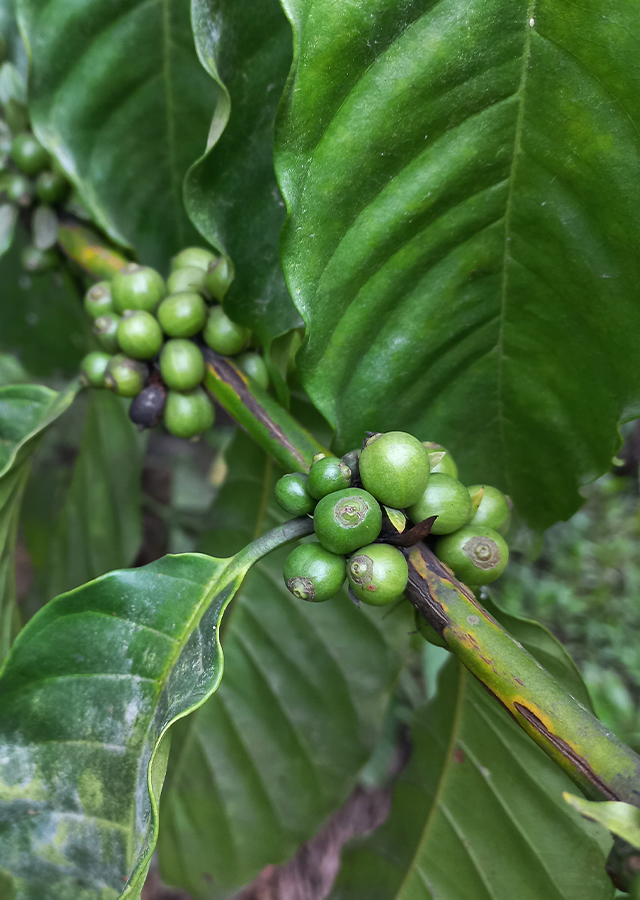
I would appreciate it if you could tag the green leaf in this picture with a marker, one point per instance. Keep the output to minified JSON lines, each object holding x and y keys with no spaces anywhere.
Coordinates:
{"x":260,"y":767}
{"x":464,"y":218}
{"x":118,"y":94}
{"x":9,"y":30}
{"x":620,"y":819}
{"x":478,"y":814}
{"x":26,"y":411}
{"x":86,"y":697}
{"x":231,"y":192}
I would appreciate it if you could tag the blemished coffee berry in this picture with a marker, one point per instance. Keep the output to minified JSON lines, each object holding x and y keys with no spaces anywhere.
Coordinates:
{"x":223,"y":335}
{"x":476,"y":554}
{"x":182,"y":315}
{"x":346,"y":520}
{"x":39,"y":261}
{"x":378,"y":574}
{"x":93,"y":368}
{"x":313,"y":573}
{"x":137,"y":287}
{"x":28,"y":154}
{"x":181,"y":364}
{"x":494,"y":508}
{"x":97,"y":300}
{"x":125,"y":376}
{"x":196,"y":257}
{"x":146,"y":409}
{"x":188,"y":414}
{"x":186,"y":278}
{"x":428,"y":632}
{"x":444,"y":497}
{"x":253,"y":365}
{"x":328,"y":475}
{"x":51,"y":186}
{"x":293,"y":496}
{"x":105,"y":329}
{"x":394,"y":467}
{"x":440,"y":460}
{"x":19,"y":189}
{"x":139,"y":334}
{"x":219,"y":277}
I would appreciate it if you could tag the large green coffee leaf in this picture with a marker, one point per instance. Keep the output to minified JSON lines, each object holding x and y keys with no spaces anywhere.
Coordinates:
{"x":464,"y":219}
{"x":118,"y":94}
{"x":25,"y":413}
{"x":259,"y":768}
{"x":15,"y":51}
{"x":86,"y":697}
{"x":478,"y":814}
{"x":231,"y":193}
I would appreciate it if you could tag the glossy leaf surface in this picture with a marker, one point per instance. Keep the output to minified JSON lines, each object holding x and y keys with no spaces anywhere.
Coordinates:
{"x":25,"y":413}
{"x":118,"y":94}
{"x":90,"y":688}
{"x":464,"y":214}
{"x":259,"y":768}
{"x":231,"y":193}
{"x":478,"y":814}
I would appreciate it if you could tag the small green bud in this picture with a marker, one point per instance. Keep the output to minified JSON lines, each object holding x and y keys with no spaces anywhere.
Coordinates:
{"x":293,"y":496}
{"x":125,"y":376}
{"x":378,"y":574}
{"x":181,"y":364}
{"x":223,"y":335}
{"x":139,"y":334}
{"x":314,"y":574}
{"x":253,"y":365}
{"x":220,"y":274}
{"x":94,"y":368}
{"x":194,"y":257}
{"x":28,"y":154}
{"x":97,"y":300}
{"x":137,"y":287}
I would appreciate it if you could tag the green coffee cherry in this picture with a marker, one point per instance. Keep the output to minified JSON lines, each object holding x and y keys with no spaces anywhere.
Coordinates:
{"x":139,"y":334}
{"x":394,"y":467}
{"x":346,"y":520}
{"x":105,"y":329}
{"x":137,"y":287}
{"x":93,"y":368}
{"x":293,"y":496}
{"x":182,"y":315}
{"x":28,"y":154}
{"x":494,"y":508}
{"x":328,"y":475}
{"x":313,"y":573}
{"x":97,"y":300}
{"x":38,"y":261}
{"x":428,"y":632}
{"x":378,"y":574}
{"x":223,"y":335}
{"x":187,"y":278}
{"x":477,"y":554}
{"x":195,"y":257}
{"x":19,"y":189}
{"x":125,"y":376}
{"x":188,"y":414}
{"x":253,"y":365}
{"x":448,"y":499}
{"x":181,"y":365}
{"x":51,"y":187}
{"x":440,"y":460}
{"x":220,"y":274}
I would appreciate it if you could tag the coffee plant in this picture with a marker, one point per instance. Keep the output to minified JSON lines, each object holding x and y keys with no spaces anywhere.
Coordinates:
{"x":360,"y":282}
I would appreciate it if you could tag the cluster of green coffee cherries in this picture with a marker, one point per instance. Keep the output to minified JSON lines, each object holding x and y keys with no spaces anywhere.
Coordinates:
{"x":32,"y":181}
{"x":151,"y":335}
{"x":362,"y":502}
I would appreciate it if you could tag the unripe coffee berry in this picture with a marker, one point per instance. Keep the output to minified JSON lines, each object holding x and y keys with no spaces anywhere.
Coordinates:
{"x":346,"y":520}
{"x":448,"y":499}
{"x":146,"y":409}
{"x":137,"y":287}
{"x":182,"y":315}
{"x":293,"y":496}
{"x":440,"y":460}
{"x":93,"y":368}
{"x":219,"y":277}
{"x":428,"y":632}
{"x":28,"y":154}
{"x":394,"y":467}
{"x":97,"y":300}
{"x":51,"y":187}
{"x":181,"y":365}
{"x":106,"y":331}
{"x":328,"y":475}
{"x":187,"y":278}
{"x":139,"y":334}
{"x":188,"y":414}
{"x":476,"y":554}
{"x":313,"y":573}
{"x":19,"y":189}
{"x":223,"y":335}
{"x":196,"y":257}
{"x":494,"y":508}
{"x":253,"y":365}
{"x":378,"y":574}
{"x":125,"y":376}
